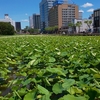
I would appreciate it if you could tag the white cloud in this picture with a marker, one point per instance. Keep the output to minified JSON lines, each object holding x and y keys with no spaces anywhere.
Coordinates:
{"x":90,"y":10}
{"x":87,"y":5}
{"x":25,"y":20}
{"x":26,"y":14}
{"x":81,"y":11}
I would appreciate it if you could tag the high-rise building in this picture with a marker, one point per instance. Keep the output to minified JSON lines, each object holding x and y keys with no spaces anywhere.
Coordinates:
{"x":45,"y":5}
{"x":80,"y":15}
{"x":31,"y":22}
{"x":18,"y":26}
{"x":96,"y":15}
{"x":62,"y":15}
{"x":36,"y":21}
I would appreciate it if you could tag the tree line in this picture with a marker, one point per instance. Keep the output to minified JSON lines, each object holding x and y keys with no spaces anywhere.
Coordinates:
{"x":7,"y":29}
{"x":55,"y":29}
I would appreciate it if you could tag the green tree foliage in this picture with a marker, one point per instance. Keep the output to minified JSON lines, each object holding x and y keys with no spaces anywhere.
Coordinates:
{"x":78,"y":24}
{"x":48,"y":29}
{"x":52,"y":29}
{"x":26,"y":29}
{"x":31,"y":30}
{"x":36,"y":31}
{"x":6,"y":28}
{"x":72,"y":25}
{"x":88,"y":23}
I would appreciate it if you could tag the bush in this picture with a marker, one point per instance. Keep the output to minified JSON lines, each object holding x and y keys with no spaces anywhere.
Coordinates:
{"x":6,"y":28}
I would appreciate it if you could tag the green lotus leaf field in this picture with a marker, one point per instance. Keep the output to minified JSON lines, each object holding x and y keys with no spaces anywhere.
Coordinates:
{"x":45,"y":67}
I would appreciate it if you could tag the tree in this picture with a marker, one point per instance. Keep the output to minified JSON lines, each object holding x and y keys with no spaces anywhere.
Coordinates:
{"x":6,"y":28}
{"x":78,"y":24}
{"x":48,"y":29}
{"x":72,"y":25}
{"x":56,"y":29}
{"x":26,"y":29}
{"x":31,"y":30}
{"x":53,"y":29}
{"x":36,"y":31}
{"x":88,"y":22}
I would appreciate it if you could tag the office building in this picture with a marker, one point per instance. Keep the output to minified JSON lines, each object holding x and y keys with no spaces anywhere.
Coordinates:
{"x":36,"y":21}
{"x":80,"y":15}
{"x":96,"y":15}
{"x":18,"y":26}
{"x":62,"y":15}
{"x":45,"y":5}
{"x":8,"y":19}
{"x":31,"y":22}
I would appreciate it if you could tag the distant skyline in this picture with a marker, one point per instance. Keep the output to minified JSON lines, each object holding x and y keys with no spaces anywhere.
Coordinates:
{"x":20,"y":10}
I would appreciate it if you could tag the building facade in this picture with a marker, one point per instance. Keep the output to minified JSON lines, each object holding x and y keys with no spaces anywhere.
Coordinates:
{"x":96,"y":15}
{"x":84,"y":27}
{"x":45,"y":5}
{"x":31,"y":22}
{"x":62,"y":15}
{"x":36,"y":21}
{"x":80,"y":15}
{"x":8,"y":19}
{"x":18,"y":26}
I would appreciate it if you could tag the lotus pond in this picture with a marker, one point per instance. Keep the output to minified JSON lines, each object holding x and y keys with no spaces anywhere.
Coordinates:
{"x":50,"y":68}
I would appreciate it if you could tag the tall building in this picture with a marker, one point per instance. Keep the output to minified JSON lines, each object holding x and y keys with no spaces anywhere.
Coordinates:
{"x":62,"y":15}
{"x":8,"y":19}
{"x":31,"y":22}
{"x":36,"y":21}
{"x":80,"y":15}
{"x":18,"y":26}
{"x":96,"y":15}
{"x":45,"y":5}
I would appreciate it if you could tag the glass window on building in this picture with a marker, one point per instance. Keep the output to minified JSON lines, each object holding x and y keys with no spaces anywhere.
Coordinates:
{"x":95,"y":14}
{"x":99,"y":13}
{"x":73,"y":6}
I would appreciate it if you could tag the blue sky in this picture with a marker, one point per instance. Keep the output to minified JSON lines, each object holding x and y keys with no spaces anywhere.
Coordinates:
{"x":20,"y":10}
